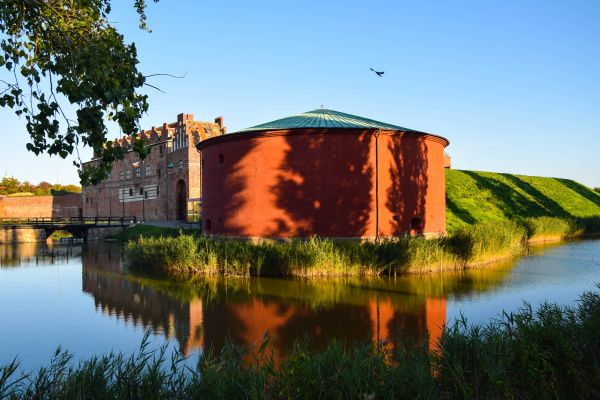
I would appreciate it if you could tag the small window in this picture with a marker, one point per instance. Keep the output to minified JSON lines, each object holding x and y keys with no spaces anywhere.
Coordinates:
{"x":131,"y":192}
{"x":145,"y":195}
{"x":157,"y":190}
{"x":87,"y":200}
{"x":158,"y":172}
{"x":180,"y":164}
{"x":148,"y":170}
{"x":128,"y":174}
{"x":121,"y":175}
{"x":416,"y":224}
{"x":221,"y":158}
{"x":208,"y":224}
{"x":137,"y":172}
{"x":141,"y":190}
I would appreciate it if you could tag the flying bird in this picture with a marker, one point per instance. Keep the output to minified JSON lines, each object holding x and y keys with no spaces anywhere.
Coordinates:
{"x":379,"y":73}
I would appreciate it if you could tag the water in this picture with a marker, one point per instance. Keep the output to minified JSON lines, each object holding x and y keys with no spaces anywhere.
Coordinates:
{"x":83,"y":299}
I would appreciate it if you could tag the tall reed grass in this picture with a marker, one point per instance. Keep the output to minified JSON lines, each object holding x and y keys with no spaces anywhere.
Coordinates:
{"x":189,"y":254}
{"x":550,"y":353}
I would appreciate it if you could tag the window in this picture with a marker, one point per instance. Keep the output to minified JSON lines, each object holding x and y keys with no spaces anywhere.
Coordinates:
{"x":128,"y":174}
{"x":180,"y":164}
{"x":141,"y":190}
{"x":136,"y":171}
{"x":148,"y":170}
{"x":416,"y":224}
{"x":221,"y":158}
{"x":157,"y":190}
{"x":121,"y":175}
{"x":87,"y":200}
{"x":145,"y":195}
{"x":131,"y":192}
{"x":158,"y":172}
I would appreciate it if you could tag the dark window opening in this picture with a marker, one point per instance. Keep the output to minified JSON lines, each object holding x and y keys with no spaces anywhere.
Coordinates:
{"x":141,"y":190}
{"x":208,"y":224}
{"x":131,"y":192}
{"x":221,"y":158}
{"x":157,"y":190}
{"x":158,"y":173}
{"x":416,"y":224}
{"x":145,"y":195}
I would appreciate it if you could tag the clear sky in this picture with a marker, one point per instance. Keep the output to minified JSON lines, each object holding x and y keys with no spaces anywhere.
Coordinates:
{"x":514,"y":85}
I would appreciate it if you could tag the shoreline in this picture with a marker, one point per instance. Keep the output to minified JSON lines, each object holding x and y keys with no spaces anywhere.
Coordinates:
{"x":190,"y":255}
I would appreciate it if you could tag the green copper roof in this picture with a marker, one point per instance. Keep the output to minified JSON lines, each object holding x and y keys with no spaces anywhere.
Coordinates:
{"x":323,"y":118}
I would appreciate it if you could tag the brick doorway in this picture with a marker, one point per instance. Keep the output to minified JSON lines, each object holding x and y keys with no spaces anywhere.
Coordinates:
{"x":181,"y":198}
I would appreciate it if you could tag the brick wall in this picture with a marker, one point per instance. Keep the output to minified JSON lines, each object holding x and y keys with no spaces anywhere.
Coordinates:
{"x":60,"y":206}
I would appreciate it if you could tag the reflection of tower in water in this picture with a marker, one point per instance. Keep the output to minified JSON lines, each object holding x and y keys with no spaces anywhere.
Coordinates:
{"x":200,"y":323}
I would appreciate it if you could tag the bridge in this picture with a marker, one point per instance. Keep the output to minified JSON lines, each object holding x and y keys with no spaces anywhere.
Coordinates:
{"x":78,"y":227}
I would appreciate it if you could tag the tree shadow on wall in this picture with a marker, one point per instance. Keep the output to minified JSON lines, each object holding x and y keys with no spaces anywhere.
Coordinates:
{"x":409,"y":185}
{"x":324,"y":185}
{"x":230,"y":173}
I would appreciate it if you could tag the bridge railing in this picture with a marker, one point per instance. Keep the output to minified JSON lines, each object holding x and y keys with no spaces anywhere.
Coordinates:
{"x":49,"y":222}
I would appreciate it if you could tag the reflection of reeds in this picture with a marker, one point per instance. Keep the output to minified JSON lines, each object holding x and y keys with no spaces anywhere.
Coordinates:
{"x":548,"y":353}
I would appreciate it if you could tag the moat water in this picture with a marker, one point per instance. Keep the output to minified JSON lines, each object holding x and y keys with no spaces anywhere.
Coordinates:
{"x":83,"y":299}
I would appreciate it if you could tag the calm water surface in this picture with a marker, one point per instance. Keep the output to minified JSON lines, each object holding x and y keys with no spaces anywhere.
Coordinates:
{"x":83,"y":299}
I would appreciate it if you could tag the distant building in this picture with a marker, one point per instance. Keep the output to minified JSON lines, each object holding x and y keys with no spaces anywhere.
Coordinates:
{"x":324,"y":173}
{"x":447,"y":161}
{"x":166,"y":185}
{"x":56,"y":206}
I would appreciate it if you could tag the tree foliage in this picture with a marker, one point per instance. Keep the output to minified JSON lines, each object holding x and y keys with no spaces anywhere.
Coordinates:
{"x":10,"y":186}
{"x":69,"y":72}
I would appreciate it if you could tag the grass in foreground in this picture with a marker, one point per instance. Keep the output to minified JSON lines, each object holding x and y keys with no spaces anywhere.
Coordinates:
{"x":189,"y":255}
{"x":553,"y":352}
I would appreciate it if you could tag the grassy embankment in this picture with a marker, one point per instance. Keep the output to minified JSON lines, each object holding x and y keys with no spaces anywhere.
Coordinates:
{"x":473,"y":197}
{"x":490,"y":216}
{"x":553,"y":352}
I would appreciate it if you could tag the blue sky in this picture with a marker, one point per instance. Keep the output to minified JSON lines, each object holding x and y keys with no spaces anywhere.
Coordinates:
{"x":514,"y":86}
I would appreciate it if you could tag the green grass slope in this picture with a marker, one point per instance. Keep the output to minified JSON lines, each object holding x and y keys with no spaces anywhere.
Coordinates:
{"x":473,"y":196}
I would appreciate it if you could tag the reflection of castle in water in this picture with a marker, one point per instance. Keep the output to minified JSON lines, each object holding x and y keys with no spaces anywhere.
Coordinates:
{"x":203,"y":320}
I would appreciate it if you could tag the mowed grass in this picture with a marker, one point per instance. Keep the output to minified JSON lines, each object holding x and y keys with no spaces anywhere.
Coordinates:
{"x":473,"y":196}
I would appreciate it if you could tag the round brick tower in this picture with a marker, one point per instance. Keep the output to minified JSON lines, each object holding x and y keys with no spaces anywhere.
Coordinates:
{"x":323,"y":173}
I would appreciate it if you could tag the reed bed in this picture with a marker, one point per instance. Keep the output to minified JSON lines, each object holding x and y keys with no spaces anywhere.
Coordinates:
{"x":186,"y":254}
{"x":551,"y":352}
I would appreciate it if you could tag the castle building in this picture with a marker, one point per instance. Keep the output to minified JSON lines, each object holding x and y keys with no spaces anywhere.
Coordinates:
{"x":165,"y":186}
{"x":324,"y":173}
